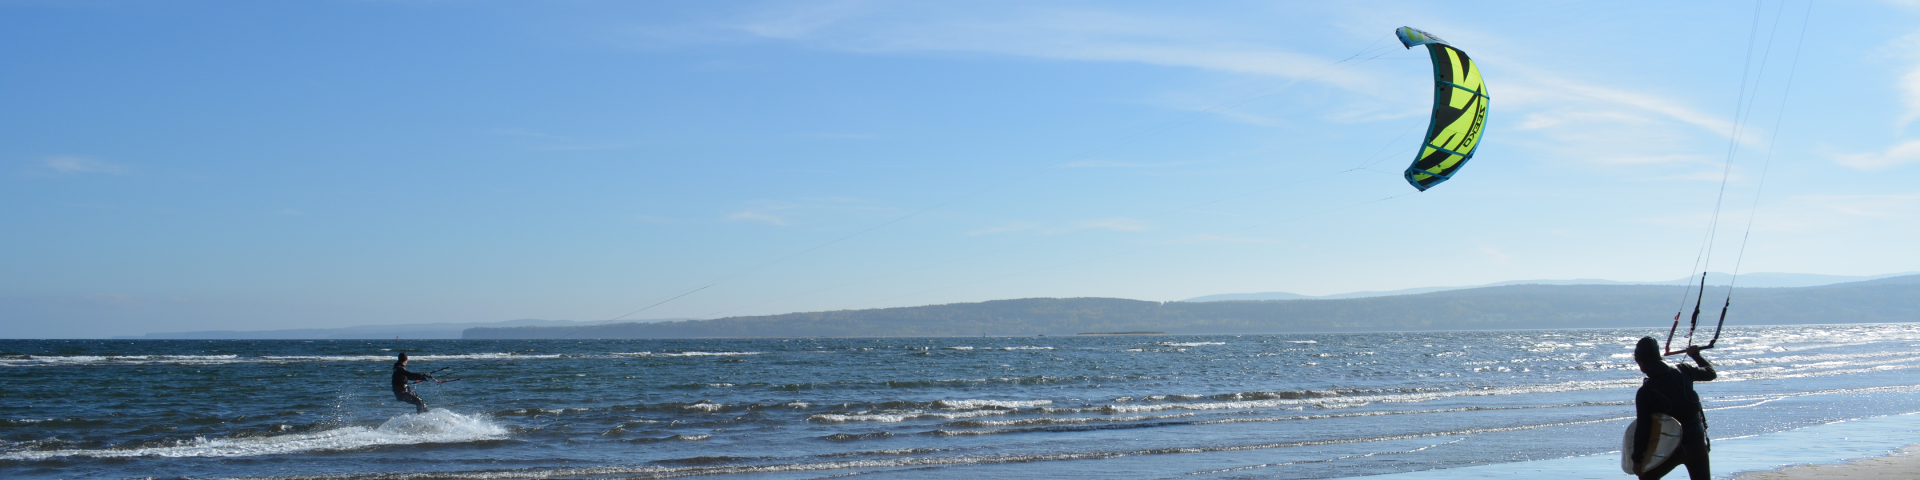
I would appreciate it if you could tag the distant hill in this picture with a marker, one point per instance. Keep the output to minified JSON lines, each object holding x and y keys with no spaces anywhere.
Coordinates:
{"x":1755,"y":280}
{"x":408,"y":331}
{"x":1885,"y":300}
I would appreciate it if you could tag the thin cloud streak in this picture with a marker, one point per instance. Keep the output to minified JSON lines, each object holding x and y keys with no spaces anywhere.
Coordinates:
{"x":72,"y":164}
{"x":759,"y":217}
{"x":1059,"y":34}
{"x":1903,"y":153}
{"x":1003,"y":228}
{"x":1121,"y":224}
{"x":1909,"y":84}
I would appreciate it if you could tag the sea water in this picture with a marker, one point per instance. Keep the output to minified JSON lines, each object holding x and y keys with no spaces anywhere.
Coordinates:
{"x":1204,"y":407}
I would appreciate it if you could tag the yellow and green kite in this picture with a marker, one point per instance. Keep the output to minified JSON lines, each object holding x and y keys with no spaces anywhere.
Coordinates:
{"x":1459,"y":111}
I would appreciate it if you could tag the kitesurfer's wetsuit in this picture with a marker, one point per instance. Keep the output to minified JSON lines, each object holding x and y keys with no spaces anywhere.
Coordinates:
{"x":1669,"y":390}
{"x":402,"y":391}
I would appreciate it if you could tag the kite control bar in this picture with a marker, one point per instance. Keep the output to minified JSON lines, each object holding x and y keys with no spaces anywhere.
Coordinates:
{"x":1695,"y":321}
{"x":437,"y":381}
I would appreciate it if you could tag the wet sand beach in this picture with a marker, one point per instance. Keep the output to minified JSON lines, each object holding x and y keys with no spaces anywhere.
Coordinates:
{"x":1903,"y":464}
{"x":1818,"y":452}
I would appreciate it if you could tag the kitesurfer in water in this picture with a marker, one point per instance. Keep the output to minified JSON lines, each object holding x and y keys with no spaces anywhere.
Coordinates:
{"x":402,"y":387}
{"x":1669,"y":390}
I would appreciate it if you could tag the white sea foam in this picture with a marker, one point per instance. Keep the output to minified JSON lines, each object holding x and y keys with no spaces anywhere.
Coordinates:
{"x":1189,"y":344}
{"x":1334,"y":400}
{"x":978,"y":404}
{"x":705,"y":406}
{"x":59,"y":360}
{"x":417,"y":358}
{"x":437,"y":426}
{"x":858,"y":417}
{"x":895,"y":417}
{"x":684,"y":354}
{"x":1028,"y":422}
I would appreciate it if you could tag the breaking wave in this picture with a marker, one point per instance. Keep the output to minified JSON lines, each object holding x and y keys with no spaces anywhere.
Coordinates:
{"x":436,"y":426}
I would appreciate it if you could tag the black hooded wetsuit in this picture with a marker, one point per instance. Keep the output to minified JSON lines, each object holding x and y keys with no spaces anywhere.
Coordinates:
{"x":404,"y":393}
{"x":1669,"y":390}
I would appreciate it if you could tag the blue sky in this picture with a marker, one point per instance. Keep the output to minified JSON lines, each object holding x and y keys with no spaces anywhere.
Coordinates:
{"x":169,"y":166}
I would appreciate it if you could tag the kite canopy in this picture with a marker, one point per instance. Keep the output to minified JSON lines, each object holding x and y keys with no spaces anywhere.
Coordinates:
{"x":1459,"y":111}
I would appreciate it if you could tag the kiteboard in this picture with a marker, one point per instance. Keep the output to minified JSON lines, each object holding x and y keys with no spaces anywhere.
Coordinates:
{"x":1665,"y":440}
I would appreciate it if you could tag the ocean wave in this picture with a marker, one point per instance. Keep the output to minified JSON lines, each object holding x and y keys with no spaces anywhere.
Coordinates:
{"x":895,"y":417}
{"x":437,"y":426}
{"x":413,"y":357}
{"x":684,"y":354}
{"x":1028,"y":422}
{"x":996,"y":404}
{"x":60,"y":360}
{"x":900,"y":411}
{"x":1328,"y":398}
{"x":670,"y":438}
{"x":704,"y":406}
{"x":965,"y":382}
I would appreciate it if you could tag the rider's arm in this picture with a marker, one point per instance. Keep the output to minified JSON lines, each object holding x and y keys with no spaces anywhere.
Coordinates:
{"x":1704,"y":372}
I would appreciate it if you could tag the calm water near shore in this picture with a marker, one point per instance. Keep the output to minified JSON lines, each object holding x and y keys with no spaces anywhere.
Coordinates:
{"x":1221,"y":407}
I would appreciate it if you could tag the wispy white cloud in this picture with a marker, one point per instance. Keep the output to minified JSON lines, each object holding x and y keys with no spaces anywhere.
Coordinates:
{"x":1812,"y":213}
{"x":1108,"y":164}
{"x":1040,"y":32}
{"x":1003,"y":228}
{"x":1121,"y":224}
{"x":1900,"y":154}
{"x":1827,"y":213}
{"x":1909,"y":84}
{"x":1222,"y":238}
{"x":1910,"y":93}
{"x":1703,"y":176}
{"x":759,"y":217}
{"x":802,"y":211}
{"x":1870,"y":206}
{"x":1573,"y":119}
{"x":1374,"y":113}
{"x":1666,"y":107}
{"x":1498,"y":256}
{"x":72,"y":164}
{"x":1612,"y":126}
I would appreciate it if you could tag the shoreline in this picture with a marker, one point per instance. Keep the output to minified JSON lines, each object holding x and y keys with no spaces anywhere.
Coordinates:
{"x":1900,"y":463}
{"x":1865,"y":448}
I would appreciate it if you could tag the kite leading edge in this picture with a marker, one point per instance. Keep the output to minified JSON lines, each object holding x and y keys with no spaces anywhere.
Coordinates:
{"x":1459,"y":111}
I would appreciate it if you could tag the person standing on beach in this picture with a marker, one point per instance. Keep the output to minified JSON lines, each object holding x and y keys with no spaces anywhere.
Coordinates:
{"x":402,"y":389}
{"x":1669,"y":390}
